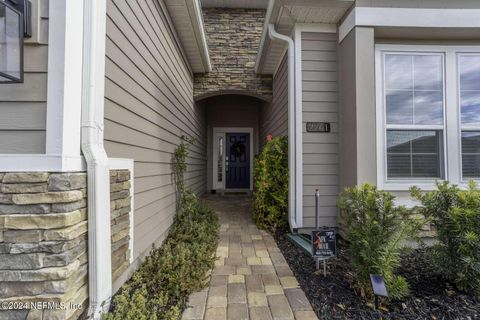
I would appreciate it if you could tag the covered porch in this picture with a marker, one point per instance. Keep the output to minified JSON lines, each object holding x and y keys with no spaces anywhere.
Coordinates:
{"x":235,"y":134}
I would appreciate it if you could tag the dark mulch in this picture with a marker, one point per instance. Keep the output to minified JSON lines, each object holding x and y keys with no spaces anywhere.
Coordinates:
{"x":333,"y":297}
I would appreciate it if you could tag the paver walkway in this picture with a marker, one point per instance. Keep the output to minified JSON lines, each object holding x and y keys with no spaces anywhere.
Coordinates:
{"x":251,"y":279}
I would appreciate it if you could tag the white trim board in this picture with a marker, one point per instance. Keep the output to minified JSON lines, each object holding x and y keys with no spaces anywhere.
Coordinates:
{"x":187,"y":21}
{"x":264,"y":37}
{"x":217,"y":131}
{"x":65,"y":71}
{"x":316,"y":27}
{"x":127,"y":164}
{"x":409,"y":17}
{"x":41,"y":163}
{"x":201,"y":33}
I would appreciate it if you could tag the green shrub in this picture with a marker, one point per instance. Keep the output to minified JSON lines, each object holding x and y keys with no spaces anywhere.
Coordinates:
{"x":270,"y":209}
{"x":456,"y":215}
{"x":376,"y":230}
{"x":159,"y":289}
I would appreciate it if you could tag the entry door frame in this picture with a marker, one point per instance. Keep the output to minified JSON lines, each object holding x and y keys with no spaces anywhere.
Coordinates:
{"x":222,"y":132}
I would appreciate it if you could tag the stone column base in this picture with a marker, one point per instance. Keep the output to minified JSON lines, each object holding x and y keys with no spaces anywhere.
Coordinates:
{"x":43,"y":245}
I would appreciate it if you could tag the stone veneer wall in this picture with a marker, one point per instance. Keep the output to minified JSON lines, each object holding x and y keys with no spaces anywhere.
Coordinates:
{"x":233,"y":37}
{"x":120,"y":206}
{"x":43,"y":244}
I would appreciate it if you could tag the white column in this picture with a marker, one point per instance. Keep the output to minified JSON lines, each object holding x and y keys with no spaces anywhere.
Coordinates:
{"x":64,"y":93}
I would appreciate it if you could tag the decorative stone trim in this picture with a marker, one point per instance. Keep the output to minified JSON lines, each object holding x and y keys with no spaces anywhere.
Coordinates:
{"x":43,"y":244}
{"x":120,"y":206}
{"x":233,"y":37}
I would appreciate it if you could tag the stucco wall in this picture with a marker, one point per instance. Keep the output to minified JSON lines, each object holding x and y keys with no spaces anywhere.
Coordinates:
{"x":233,"y":37}
{"x":357,"y":108}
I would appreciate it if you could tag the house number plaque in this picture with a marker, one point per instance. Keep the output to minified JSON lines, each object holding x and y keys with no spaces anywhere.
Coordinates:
{"x":323,"y":127}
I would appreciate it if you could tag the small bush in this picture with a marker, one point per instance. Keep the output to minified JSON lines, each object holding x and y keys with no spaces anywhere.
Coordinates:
{"x":376,"y":230}
{"x":159,"y":289}
{"x":456,"y":215}
{"x":270,"y":209}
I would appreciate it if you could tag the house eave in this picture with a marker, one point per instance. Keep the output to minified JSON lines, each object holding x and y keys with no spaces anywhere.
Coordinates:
{"x":431,"y":23}
{"x":284,"y":15}
{"x":186,"y":16}
{"x":264,"y":40}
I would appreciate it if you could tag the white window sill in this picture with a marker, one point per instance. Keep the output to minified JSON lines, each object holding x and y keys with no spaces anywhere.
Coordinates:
{"x":406,"y":185}
{"x":422,"y":185}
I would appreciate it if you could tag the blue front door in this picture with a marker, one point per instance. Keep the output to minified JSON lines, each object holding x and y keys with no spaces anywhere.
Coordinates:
{"x":238,"y":161}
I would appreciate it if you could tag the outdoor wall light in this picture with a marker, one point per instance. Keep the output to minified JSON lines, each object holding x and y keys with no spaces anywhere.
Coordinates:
{"x":15,"y":25}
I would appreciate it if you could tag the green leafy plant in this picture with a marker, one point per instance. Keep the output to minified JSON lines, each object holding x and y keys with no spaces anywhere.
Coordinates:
{"x":376,"y":230}
{"x":179,"y":165}
{"x":455,"y":214}
{"x":270,"y":171}
{"x":159,"y":289}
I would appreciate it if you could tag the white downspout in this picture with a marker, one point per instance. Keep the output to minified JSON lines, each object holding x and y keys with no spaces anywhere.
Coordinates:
{"x":99,"y":248}
{"x":291,"y":124}
{"x":298,"y":129}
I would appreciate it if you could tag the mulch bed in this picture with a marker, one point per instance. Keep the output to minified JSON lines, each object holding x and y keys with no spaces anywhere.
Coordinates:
{"x":333,"y":297}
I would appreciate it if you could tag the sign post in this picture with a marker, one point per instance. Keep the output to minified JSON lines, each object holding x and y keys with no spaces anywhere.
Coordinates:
{"x":324,"y":246}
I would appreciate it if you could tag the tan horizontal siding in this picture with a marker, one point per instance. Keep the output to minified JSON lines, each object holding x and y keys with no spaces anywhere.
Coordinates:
{"x":318,"y":76}
{"x":274,"y":118}
{"x":23,"y":106}
{"x":324,"y":201}
{"x":23,"y":116}
{"x":148,"y":107}
{"x":22,"y":141}
{"x":323,"y":221}
{"x":320,"y":150}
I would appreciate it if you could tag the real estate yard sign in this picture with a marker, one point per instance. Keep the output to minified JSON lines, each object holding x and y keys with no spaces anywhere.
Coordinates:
{"x":324,"y":243}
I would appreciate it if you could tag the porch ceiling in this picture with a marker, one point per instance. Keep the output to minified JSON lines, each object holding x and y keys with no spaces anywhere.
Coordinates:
{"x":284,"y":14}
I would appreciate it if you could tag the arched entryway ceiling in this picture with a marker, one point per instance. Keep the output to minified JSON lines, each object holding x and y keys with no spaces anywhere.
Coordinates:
{"x":207,"y":95}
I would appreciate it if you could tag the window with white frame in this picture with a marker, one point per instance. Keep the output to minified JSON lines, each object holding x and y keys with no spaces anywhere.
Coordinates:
{"x":469,"y":78}
{"x":419,"y":123}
